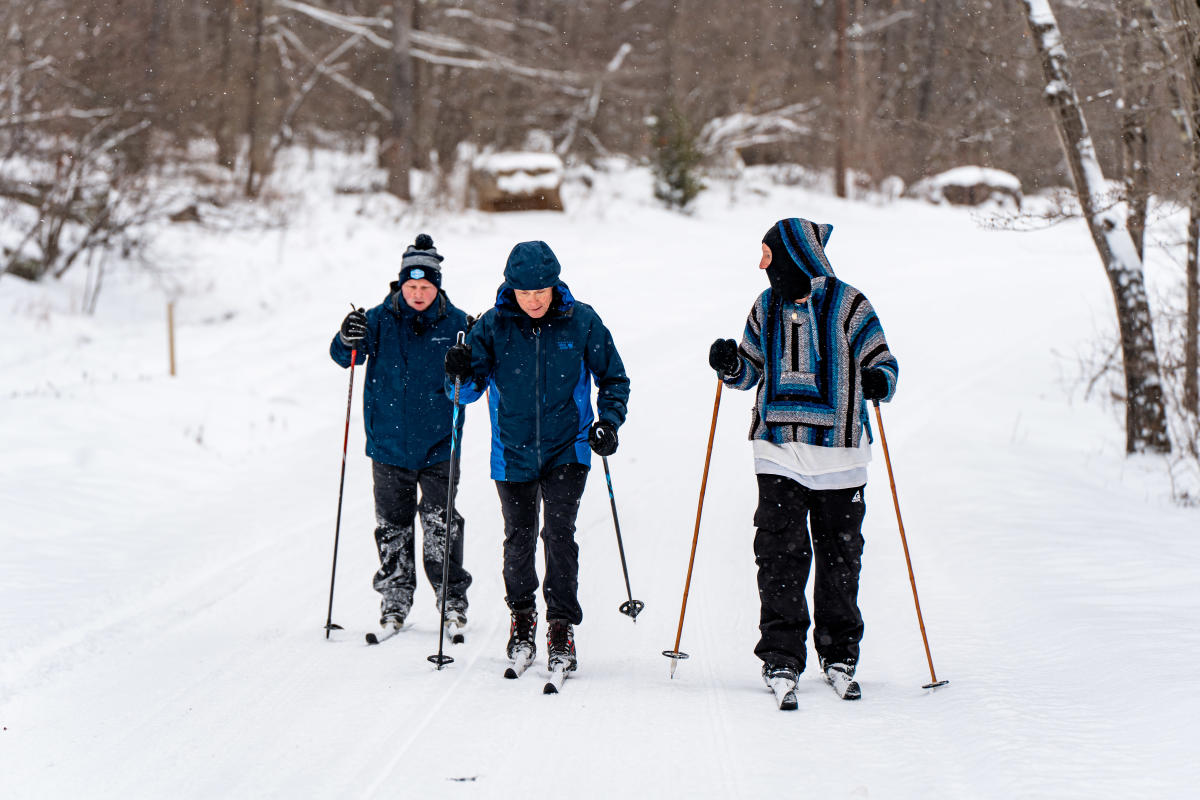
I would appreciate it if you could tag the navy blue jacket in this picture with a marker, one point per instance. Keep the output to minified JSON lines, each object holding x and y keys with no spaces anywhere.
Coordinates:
{"x":406,"y":413}
{"x":538,"y":377}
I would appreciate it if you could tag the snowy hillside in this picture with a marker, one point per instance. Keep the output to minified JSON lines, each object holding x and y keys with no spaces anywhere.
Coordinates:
{"x":166,"y":541}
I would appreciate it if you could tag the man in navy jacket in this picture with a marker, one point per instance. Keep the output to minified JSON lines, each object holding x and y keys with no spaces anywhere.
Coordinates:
{"x":408,"y":417}
{"x":536,"y":353}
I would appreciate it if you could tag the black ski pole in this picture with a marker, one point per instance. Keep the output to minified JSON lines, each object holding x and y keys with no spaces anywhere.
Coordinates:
{"x":441,"y":659}
{"x":631,"y":608}
{"x":933,"y":682}
{"x":337,"y":530}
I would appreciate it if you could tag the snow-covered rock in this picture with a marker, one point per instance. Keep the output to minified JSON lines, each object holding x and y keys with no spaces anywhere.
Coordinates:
{"x":968,"y":186}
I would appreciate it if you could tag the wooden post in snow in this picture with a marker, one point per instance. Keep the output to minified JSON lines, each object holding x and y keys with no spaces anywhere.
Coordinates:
{"x":171,"y":334}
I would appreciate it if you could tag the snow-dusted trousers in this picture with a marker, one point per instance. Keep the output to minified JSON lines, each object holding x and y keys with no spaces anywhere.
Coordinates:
{"x":559,"y":491}
{"x":395,"y":507}
{"x":784,"y":547}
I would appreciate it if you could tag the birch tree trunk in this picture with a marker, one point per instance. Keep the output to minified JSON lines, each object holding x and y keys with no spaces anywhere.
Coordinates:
{"x":1187,"y":15}
{"x":1145,"y":413}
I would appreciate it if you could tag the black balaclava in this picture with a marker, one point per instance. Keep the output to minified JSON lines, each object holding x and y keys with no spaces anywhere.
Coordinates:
{"x":789,"y":280}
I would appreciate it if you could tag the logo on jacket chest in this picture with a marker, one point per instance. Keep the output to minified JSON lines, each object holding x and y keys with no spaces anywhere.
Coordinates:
{"x":566,"y":345}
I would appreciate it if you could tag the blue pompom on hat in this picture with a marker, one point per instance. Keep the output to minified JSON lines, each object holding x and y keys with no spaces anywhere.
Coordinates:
{"x":421,"y":261}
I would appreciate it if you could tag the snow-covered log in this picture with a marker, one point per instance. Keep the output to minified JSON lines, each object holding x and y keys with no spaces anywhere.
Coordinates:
{"x":517,"y":181}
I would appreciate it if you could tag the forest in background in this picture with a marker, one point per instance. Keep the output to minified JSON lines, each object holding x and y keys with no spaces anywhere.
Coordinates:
{"x":897,"y":87}
{"x":101,"y":98}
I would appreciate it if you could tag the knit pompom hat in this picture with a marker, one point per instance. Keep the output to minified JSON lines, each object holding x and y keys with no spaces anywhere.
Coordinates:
{"x":421,"y":261}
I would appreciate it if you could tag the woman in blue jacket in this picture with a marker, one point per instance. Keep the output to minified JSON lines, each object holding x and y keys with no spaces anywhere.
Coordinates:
{"x":408,"y":417}
{"x":535,"y":354}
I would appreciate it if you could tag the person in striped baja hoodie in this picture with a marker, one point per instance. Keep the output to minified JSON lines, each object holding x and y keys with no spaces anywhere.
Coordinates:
{"x":815,"y":351}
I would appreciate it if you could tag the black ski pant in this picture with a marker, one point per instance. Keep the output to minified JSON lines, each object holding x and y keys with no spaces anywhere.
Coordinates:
{"x":559,"y":491}
{"x":395,"y":507}
{"x":784,"y":547}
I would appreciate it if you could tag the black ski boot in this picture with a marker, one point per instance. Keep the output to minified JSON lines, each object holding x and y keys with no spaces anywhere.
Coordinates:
{"x":779,"y":671}
{"x":560,"y":643}
{"x":781,"y":680}
{"x":840,"y":675}
{"x":521,"y":633}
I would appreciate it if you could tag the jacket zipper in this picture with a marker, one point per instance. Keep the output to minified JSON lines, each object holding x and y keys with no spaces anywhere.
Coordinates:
{"x":537,"y":389}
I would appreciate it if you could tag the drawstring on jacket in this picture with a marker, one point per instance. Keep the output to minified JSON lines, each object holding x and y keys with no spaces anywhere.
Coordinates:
{"x":814,"y":349}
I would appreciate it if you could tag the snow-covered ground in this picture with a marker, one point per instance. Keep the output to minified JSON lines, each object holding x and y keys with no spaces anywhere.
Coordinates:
{"x":166,"y":542}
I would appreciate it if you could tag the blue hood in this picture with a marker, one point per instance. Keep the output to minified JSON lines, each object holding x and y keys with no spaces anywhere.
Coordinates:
{"x":805,"y":242}
{"x":532,"y":266}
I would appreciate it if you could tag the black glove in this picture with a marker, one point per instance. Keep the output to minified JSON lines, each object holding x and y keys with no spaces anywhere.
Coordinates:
{"x":874,"y":384}
{"x":723,"y":356}
{"x":603,"y":438}
{"x":354,"y":328}
{"x":458,"y":362}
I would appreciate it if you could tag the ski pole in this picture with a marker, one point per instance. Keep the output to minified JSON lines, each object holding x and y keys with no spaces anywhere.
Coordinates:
{"x":440,"y":659}
{"x":337,"y":530}
{"x":934,"y":682}
{"x":631,"y":608}
{"x":675,"y":655}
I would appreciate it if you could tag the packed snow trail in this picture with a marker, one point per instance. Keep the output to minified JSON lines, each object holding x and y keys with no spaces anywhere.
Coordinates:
{"x":167,"y":542}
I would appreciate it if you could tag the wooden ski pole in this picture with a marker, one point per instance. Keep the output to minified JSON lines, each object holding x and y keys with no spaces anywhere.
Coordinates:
{"x":675,"y":655}
{"x":934,"y":682}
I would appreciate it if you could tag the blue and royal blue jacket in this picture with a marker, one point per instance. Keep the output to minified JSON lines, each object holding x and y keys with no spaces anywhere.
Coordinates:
{"x":538,"y":377}
{"x":406,"y":412}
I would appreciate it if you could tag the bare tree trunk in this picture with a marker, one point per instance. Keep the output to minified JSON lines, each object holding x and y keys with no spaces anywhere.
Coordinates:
{"x":1145,"y":412}
{"x":253,"y":109}
{"x":925,"y":93}
{"x":1135,"y":139}
{"x":1189,"y":23}
{"x":843,"y":102}
{"x":138,"y":147}
{"x":226,"y":139}
{"x":397,"y":147}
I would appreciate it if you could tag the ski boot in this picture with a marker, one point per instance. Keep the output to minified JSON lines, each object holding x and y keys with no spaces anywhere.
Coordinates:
{"x":840,"y":675}
{"x":560,"y":644}
{"x":521,"y":632}
{"x":781,"y":680}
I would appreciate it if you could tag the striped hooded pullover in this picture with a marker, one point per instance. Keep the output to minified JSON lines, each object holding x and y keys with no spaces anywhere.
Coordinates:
{"x":807,"y":358}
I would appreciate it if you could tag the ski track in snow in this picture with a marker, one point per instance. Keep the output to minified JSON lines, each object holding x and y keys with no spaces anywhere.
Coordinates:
{"x":167,"y":541}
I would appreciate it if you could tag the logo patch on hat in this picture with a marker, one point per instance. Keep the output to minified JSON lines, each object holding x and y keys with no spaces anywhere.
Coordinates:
{"x":416,"y":274}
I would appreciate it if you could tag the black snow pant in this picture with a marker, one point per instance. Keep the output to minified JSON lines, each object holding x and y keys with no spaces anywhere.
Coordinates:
{"x":395,"y":506}
{"x":559,"y":491}
{"x":784,"y":551}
